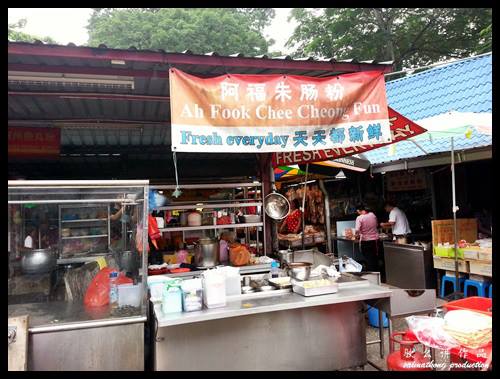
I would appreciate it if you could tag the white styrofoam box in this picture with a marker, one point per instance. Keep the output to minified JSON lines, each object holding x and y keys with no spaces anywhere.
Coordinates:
{"x":471,"y":254}
{"x":452,"y":273}
{"x":480,"y":268}
{"x":449,"y":264}
{"x":129,"y":294}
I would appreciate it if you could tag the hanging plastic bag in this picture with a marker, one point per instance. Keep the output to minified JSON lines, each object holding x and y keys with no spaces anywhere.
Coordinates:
{"x":430,"y":332}
{"x":97,"y":294}
{"x":153,"y":231}
{"x":139,"y":239}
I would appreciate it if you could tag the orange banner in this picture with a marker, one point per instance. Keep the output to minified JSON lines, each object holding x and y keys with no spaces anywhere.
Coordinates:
{"x":34,"y":142}
{"x":277,"y":113}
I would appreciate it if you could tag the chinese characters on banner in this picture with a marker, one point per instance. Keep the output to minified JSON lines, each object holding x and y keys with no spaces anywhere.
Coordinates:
{"x":405,"y":181}
{"x":401,"y":128}
{"x":34,"y":142}
{"x":277,"y":113}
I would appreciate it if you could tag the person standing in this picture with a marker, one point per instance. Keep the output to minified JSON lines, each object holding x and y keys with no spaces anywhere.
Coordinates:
{"x":398,"y":222}
{"x":366,"y":230}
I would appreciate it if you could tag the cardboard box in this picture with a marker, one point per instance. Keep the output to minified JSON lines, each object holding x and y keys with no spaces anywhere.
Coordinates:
{"x":449,"y":264}
{"x":442,"y":230}
{"x":480,"y":268}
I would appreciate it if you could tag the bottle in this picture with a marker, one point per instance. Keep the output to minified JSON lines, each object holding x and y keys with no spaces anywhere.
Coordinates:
{"x":113,"y":289}
{"x":275,"y":271}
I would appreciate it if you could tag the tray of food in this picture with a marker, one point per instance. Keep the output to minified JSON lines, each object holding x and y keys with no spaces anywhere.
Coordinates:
{"x":315,"y":287}
{"x":281,"y":283}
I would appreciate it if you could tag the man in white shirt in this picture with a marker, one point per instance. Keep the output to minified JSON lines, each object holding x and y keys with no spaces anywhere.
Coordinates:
{"x":398,"y":222}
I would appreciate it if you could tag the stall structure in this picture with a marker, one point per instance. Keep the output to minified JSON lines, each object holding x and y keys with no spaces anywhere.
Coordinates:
{"x":99,"y":113}
{"x":454,"y":103}
{"x":71,"y":325}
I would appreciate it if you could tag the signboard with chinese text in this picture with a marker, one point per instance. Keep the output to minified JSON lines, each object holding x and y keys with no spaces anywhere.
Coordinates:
{"x":400,"y":126}
{"x":277,"y":113}
{"x":406,"y":181}
{"x":34,"y":142}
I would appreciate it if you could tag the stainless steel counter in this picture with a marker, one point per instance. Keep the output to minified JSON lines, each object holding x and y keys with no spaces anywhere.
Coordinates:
{"x":280,"y":302}
{"x":61,"y":315}
{"x":284,"y":332}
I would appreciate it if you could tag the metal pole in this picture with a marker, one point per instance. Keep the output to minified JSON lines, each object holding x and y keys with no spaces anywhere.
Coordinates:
{"x":454,"y":210}
{"x":303,"y":207}
{"x":329,"y":248}
{"x":274,"y":224}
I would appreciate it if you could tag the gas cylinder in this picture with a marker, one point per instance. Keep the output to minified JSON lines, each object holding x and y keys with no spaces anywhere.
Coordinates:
{"x":407,"y":358}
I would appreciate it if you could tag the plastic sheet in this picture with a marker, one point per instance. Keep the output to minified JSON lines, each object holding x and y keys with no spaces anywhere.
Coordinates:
{"x":430,"y":332}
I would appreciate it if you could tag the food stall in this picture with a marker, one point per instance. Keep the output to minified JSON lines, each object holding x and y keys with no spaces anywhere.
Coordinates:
{"x":63,"y":287}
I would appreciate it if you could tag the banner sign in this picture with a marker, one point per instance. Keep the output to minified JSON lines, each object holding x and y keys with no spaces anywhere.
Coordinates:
{"x":401,"y":128}
{"x":34,"y":142}
{"x":405,"y":181}
{"x":277,"y":113}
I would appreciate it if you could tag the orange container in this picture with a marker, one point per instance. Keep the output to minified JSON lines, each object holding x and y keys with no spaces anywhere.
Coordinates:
{"x":474,"y":303}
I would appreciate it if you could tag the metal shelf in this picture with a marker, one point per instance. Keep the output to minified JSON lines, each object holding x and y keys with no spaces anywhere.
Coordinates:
{"x":82,"y":237}
{"x":208,"y":205}
{"x":211,"y":227}
{"x":84,"y":220}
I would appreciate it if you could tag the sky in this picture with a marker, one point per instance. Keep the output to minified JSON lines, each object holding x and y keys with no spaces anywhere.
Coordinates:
{"x":66,"y":25}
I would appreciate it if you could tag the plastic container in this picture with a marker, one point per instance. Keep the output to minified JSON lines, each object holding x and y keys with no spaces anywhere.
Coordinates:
{"x":172,"y":297}
{"x":156,"y":285}
{"x":233,"y":285}
{"x":275,"y":270}
{"x":129,"y":294}
{"x":474,"y":303}
{"x":192,"y":295}
{"x":113,"y":290}
{"x":214,"y":289}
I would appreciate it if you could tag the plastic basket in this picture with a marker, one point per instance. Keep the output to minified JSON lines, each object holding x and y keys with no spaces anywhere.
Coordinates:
{"x":448,"y":252}
{"x":474,"y":303}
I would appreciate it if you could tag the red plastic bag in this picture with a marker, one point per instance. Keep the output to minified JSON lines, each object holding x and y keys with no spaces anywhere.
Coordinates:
{"x":97,"y":294}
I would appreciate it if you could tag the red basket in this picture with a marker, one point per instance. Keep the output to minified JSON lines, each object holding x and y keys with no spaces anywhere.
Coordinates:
{"x":473,"y":303}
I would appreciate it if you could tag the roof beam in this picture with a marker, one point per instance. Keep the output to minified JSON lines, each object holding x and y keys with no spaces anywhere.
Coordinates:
{"x":85,"y":70}
{"x":91,"y":96}
{"x":101,"y":54}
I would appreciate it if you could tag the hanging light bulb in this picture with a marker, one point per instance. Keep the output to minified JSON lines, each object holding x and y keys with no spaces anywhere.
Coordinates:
{"x":340,"y":175}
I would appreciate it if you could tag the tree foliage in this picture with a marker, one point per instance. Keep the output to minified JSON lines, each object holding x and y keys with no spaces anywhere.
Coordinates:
{"x":201,"y":30}
{"x":17,"y":35}
{"x":408,"y":36}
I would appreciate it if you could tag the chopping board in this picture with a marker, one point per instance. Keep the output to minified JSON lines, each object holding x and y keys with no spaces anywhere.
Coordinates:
{"x":18,"y":350}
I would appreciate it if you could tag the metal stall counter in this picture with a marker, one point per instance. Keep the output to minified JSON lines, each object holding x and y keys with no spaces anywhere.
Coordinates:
{"x":276,"y":331}
{"x":69,"y":327}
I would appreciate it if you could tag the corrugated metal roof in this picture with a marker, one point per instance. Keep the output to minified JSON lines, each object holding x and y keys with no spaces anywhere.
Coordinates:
{"x":464,"y":86}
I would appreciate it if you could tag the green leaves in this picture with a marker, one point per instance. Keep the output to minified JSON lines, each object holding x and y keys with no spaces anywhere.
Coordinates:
{"x":409,"y":36}
{"x":14,"y":34}
{"x":201,"y":30}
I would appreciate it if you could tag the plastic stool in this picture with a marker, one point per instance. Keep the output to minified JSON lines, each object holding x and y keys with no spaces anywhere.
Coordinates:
{"x":490,"y":291}
{"x":373,"y":317}
{"x":480,"y":286}
{"x":450,"y":279}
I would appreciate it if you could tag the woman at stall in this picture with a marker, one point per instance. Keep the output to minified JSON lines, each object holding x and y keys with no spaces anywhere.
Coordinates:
{"x":293,"y":222}
{"x":367,"y":232}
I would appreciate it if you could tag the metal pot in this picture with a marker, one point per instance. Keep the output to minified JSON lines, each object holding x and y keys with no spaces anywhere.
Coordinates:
{"x":38,"y":261}
{"x":285,"y":256}
{"x":276,"y":206}
{"x":299,"y":270}
{"x":206,"y":252}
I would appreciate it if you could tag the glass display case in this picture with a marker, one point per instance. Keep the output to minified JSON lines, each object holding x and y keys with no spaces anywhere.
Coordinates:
{"x":52,"y":263}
